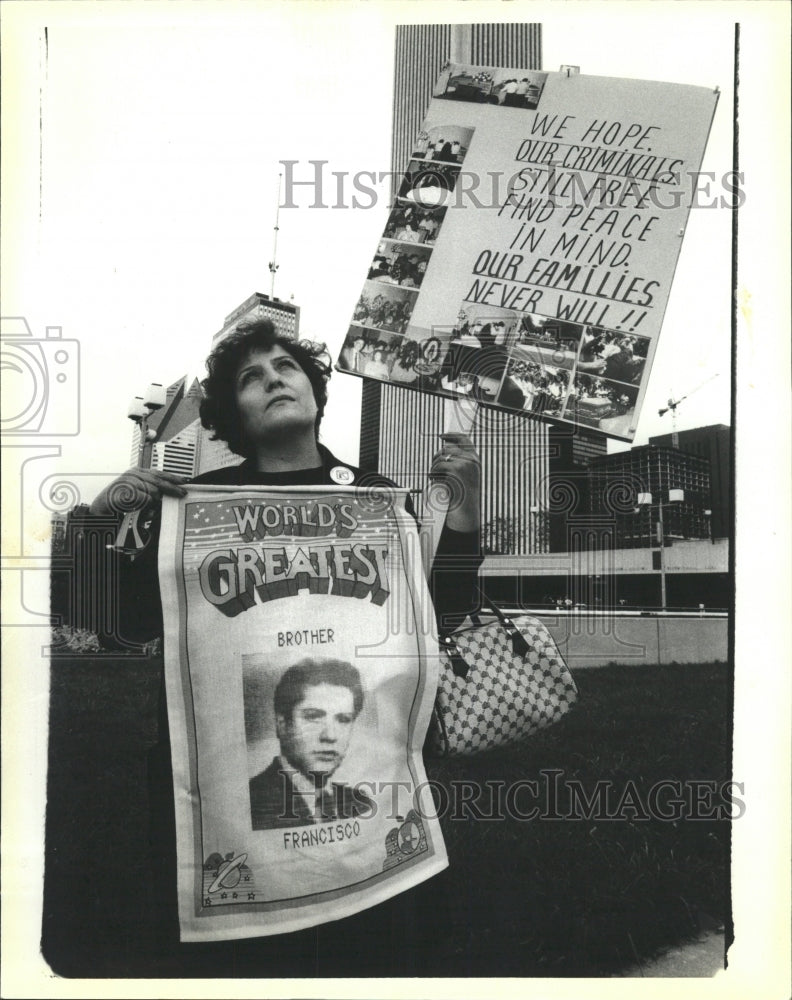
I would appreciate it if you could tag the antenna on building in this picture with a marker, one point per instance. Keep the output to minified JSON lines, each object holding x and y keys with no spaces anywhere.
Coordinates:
{"x":674,"y":403}
{"x":273,"y":266}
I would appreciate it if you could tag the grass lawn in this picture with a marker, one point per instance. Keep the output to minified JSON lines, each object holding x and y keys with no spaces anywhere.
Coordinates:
{"x":522,"y":897}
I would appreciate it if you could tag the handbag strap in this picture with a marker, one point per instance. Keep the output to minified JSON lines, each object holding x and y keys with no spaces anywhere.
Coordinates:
{"x":442,"y":731}
{"x":459,"y":664}
{"x":518,"y":641}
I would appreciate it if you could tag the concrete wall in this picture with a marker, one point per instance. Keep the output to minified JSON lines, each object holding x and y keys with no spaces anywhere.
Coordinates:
{"x":594,"y":641}
{"x":681,"y":557}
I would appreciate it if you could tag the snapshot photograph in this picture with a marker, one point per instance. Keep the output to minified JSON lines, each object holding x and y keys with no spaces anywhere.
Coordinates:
{"x":543,"y":354}
{"x":387,"y":307}
{"x":491,"y":325}
{"x":479,"y":344}
{"x":598,"y":402}
{"x":432,"y":347}
{"x":413,"y":223}
{"x":372,"y":353}
{"x":416,"y":363}
{"x":429,"y":184}
{"x":619,"y":357}
{"x":512,"y":89}
{"x":554,"y":341}
{"x":472,"y":366}
{"x":480,"y":85}
{"x":534,"y":387}
{"x":395,"y":264}
{"x":443,"y":143}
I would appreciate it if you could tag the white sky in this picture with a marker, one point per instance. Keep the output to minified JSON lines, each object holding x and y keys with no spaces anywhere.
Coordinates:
{"x":163,"y":128}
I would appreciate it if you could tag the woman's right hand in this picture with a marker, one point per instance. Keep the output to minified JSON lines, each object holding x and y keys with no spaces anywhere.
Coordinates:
{"x":137,"y":489}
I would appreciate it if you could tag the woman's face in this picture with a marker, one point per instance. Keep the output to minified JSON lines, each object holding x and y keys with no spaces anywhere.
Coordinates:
{"x":273,"y":395}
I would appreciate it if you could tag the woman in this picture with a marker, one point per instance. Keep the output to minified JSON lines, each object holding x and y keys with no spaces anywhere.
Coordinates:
{"x":377,"y":367}
{"x":265,"y":396}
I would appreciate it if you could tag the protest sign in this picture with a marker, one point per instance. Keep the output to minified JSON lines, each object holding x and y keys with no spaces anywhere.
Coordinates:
{"x":529,"y":253}
{"x":300,"y":663}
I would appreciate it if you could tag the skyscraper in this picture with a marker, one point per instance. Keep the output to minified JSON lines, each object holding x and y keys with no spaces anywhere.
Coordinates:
{"x":400,"y":428}
{"x":177,"y":428}
{"x":285,"y":316}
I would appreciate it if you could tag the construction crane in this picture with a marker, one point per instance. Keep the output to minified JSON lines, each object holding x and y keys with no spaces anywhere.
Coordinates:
{"x":674,"y":403}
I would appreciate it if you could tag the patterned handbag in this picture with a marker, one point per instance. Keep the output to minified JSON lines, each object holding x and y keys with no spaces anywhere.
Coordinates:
{"x":499,"y":684}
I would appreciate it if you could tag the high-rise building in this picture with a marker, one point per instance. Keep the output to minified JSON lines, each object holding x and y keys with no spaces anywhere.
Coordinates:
{"x":400,"y":428}
{"x":159,"y":419}
{"x":177,"y":429}
{"x":628,"y":489}
{"x":285,"y":316}
{"x":712,"y":442}
{"x":572,"y":449}
{"x":176,"y":447}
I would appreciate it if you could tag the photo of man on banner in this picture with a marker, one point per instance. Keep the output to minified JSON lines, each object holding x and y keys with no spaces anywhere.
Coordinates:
{"x":316,"y":705}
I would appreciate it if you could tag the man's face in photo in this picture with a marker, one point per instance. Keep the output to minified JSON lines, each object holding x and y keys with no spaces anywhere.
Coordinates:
{"x":314,"y":740}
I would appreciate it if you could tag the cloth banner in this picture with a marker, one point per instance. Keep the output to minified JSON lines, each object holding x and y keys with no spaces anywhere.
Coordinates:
{"x":301,"y":668}
{"x":530,"y":248}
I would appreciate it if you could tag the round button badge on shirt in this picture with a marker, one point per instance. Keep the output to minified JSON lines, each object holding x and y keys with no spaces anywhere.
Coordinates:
{"x":342,"y":475}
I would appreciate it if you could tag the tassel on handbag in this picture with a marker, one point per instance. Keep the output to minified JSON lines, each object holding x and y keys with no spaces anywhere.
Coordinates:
{"x":499,"y":684}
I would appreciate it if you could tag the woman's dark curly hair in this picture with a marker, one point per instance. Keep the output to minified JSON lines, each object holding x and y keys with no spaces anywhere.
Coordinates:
{"x":218,"y":407}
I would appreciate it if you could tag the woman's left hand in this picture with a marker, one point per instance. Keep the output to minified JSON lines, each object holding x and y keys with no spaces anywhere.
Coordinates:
{"x":459,"y":465}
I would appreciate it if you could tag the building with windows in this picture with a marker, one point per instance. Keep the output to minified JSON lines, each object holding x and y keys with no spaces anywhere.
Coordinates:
{"x":628,"y":489}
{"x":713,"y":443}
{"x":176,"y":427}
{"x":608,"y":517}
{"x":572,"y":449}
{"x":285,"y":316}
{"x":176,"y":449}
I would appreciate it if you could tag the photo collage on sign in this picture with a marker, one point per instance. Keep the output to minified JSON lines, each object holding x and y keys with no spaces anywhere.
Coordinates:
{"x":501,"y":357}
{"x":376,"y":345}
{"x":583,"y":374}
{"x":477,"y":352}
{"x":608,"y":374}
{"x":506,"y":88}
{"x":530,"y":363}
